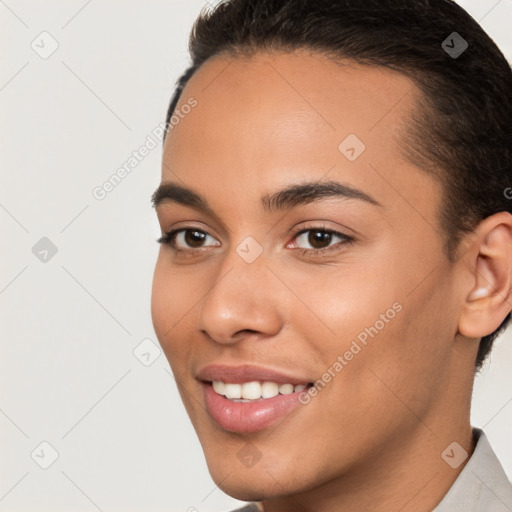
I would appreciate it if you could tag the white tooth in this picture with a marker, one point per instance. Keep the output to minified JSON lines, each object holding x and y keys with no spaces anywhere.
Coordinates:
{"x":254,"y":390}
{"x":251,"y":390}
{"x":233,"y":390}
{"x":269,"y":389}
{"x":219,"y":387}
{"x":286,"y":389}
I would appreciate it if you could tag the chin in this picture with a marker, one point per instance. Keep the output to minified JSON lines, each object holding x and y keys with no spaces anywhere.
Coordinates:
{"x":261,"y":482}
{"x":247,"y":488}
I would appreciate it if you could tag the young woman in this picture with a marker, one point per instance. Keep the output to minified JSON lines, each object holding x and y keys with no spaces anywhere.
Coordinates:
{"x":336,"y":254}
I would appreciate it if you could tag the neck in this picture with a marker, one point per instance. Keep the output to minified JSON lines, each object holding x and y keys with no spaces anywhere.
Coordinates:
{"x":410,"y":474}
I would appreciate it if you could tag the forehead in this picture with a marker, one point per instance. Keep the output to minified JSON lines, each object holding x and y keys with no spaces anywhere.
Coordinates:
{"x":303,"y":87}
{"x":263,"y":121}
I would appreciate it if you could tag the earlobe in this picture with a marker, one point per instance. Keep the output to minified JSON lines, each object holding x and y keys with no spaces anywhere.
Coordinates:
{"x":489,"y":300}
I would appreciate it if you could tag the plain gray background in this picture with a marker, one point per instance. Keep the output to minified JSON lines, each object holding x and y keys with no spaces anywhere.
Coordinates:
{"x":72,"y":320}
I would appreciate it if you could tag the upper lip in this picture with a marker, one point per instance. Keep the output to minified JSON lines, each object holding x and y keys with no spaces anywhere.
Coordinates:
{"x":246,"y":373}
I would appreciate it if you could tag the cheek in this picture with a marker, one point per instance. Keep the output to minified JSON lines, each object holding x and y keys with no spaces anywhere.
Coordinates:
{"x":351,"y":304}
{"x":381,"y":331}
{"x":403,"y":366}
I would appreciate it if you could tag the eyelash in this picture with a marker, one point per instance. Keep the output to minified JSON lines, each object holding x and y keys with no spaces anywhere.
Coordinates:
{"x":169,"y":239}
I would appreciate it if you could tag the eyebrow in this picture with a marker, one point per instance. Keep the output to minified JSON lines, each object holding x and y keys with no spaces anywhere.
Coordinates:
{"x":289,"y":197}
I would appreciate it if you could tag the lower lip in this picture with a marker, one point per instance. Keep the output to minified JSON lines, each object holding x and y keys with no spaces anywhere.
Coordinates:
{"x":248,"y":416}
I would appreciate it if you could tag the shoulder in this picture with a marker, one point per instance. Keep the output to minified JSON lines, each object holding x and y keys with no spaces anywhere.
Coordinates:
{"x":251,"y":507}
{"x":482,"y":486}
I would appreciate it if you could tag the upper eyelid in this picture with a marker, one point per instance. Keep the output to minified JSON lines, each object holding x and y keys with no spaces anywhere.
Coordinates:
{"x":303,"y":226}
{"x":334,"y":232}
{"x":300,"y":231}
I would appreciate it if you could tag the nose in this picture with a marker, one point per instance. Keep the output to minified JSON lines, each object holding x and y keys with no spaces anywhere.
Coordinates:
{"x":242,"y":301}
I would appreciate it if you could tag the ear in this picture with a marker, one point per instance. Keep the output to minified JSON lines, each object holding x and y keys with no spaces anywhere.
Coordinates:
{"x":489,"y":260}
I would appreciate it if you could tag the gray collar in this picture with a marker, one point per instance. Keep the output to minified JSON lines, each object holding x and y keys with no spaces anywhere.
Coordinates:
{"x":482,"y":485}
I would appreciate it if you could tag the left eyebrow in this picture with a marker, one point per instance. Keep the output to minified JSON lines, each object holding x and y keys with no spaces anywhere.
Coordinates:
{"x":303,"y":193}
{"x":286,"y":198}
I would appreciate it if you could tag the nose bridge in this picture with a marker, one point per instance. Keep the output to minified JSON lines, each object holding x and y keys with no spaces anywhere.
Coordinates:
{"x":241,"y":297}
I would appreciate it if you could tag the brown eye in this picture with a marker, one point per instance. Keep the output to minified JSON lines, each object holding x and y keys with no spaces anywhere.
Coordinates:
{"x":320,"y":239}
{"x":185,"y":239}
{"x":194,"y":238}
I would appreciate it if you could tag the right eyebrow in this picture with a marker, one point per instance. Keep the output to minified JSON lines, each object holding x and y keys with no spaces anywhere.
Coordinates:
{"x":173,"y":192}
{"x":286,"y":198}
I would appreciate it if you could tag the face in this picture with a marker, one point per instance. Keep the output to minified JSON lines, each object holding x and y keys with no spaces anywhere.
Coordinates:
{"x":345,"y":286}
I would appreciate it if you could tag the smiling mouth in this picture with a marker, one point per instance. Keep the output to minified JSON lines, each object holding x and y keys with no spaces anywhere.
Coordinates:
{"x":254,"y":391}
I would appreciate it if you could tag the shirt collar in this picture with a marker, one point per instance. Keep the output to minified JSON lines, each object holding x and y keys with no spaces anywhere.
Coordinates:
{"x":482,"y":486}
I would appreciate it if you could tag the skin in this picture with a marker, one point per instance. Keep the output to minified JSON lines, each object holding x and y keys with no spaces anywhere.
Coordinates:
{"x":372,"y":438}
